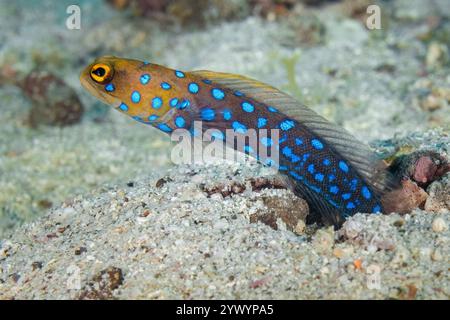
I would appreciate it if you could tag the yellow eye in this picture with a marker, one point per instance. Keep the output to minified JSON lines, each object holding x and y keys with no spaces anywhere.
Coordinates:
{"x":101,"y":73}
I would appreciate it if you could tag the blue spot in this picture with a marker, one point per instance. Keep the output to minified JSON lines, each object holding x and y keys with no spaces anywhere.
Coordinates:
{"x":283,"y":138}
{"x":353,"y":184}
{"x":184,"y":104}
{"x":179,"y":74}
{"x":296,"y":175}
{"x":326,"y":162}
{"x":164,"y":127}
{"x":346,"y":196}
{"x":239,"y":127}
{"x":331,"y":177}
{"x":137,"y":118}
{"x":218,"y":94}
{"x":247,"y":106}
{"x":145,"y":78}
{"x":366,"y":192}
{"x":173,"y":102}
{"x":282,"y":168}
{"x":272,"y":109}
{"x":266,"y":141}
{"x":319,"y":177}
{"x":165,"y":85}
{"x":350,"y":205}
{"x":376,"y":209}
{"x":218,"y":135}
{"x":343,"y":166}
{"x":317,"y":144}
{"x":298,"y":141}
{"x":207,"y":81}
{"x":262,"y":122}
{"x":286,"y":124}
{"x":287,"y":151}
{"x":180,"y":122}
{"x":237,"y":93}
{"x":295,"y":158}
{"x":123,"y":107}
{"x":334,"y":189}
{"x":312,"y":187}
{"x":193,"y":87}
{"x":153,"y":117}
{"x":157,"y":102}
{"x":135,"y":97}
{"x":109,"y":87}
{"x":226,"y":114}
{"x":207,"y":114}
{"x":146,"y":63}
{"x":311,"y":168}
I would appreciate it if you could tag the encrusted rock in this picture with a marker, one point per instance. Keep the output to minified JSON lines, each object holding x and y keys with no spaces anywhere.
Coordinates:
{"x":439,"y":196}
{"x":291,"y":211}
{"x":103,"y":284}
{"x":53,"y":101}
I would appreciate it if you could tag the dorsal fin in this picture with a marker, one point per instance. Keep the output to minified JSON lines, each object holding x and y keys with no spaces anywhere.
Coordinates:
{"x":358,"y":154}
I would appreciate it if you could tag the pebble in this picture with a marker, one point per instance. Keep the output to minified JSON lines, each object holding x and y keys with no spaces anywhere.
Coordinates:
{"x":343,"y":252}
{"x":323,"y":240}
{"x":300,"y":227}
{"x":437,"y":55}
{"x":401,"y":256}
{"x":352,"y":229}
{"x":439,"y":196}
{"x":436,"y":255}
{"x":439,"y":225}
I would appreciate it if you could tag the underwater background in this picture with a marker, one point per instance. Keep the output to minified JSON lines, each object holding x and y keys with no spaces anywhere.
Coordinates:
{"x":64,"y":155}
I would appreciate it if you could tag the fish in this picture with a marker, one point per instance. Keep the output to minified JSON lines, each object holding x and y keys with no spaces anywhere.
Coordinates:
{"x":335,"y":173}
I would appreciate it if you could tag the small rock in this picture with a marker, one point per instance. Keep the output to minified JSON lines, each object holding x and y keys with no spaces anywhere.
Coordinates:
{"x":431,"y":103}
{"x":436,"y":255}
{"x":45,"y":204}
{"x":36,"y":265}
{"x":80,"y":250}
{"x":292,"y":211}
{"x":439,"y":196}
{"x":401,"y":257}
{"x":437,"y":55}
{"x":323,"y":240}
{"x":406,"y":198}
{"x":422,"y":167}
{"x":103,"y":284}
{"x":338,"y":253}
{"x":300,"y":227}
{"x":342,"y":252}
{"x":163,"y":181}
{"x":399,"y":223}
{"x":439,"y":225}
{"x":54,"y":102}
{"x":351,"y":229}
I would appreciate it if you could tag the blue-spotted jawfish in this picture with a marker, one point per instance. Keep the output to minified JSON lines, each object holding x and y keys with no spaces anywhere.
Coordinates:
{"x":337,"y":175}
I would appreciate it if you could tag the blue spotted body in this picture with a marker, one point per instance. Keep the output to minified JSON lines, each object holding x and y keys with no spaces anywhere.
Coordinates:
{"x":321,"y":171}
{"x":304,"y":157}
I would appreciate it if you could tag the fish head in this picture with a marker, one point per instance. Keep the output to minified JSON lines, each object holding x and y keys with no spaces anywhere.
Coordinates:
{"x":126,"y":85}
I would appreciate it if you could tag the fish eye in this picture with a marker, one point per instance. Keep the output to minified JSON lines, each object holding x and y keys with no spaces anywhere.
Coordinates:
{"x":101,"y":73}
